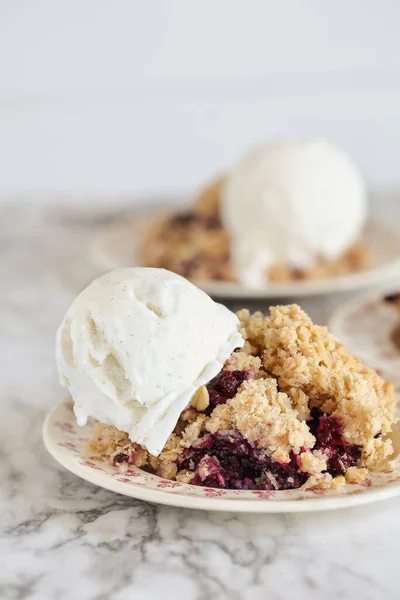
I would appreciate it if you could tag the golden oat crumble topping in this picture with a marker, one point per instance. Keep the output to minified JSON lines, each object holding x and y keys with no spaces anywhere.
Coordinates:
{"x":107,"y":439}
{"x":194,"y":244}
{"x":303,"y":356}
{"x":356,"y":475}
{"x":293,"y":368}
{"x":241,"y":361}
{"x":264,"y":416}
{"x":313,"y":462}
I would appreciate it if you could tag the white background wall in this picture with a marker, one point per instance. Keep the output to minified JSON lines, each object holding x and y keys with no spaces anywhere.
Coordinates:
{"x":116,"y":96}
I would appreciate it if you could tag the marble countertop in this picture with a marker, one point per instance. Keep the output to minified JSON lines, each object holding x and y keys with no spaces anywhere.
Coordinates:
{"x":62,"y":538}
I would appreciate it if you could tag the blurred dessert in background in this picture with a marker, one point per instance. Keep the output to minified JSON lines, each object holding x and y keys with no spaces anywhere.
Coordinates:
{"x":288,"y":210}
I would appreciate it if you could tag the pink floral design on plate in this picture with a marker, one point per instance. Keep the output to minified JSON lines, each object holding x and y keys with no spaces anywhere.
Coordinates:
{"x":65,"y":426}
{"x":98,"y":457}
{"x":357,"y":492}
{"x":165,"y":483}
{"x":87,"y":463}
{"x":213,"y":492}
{"x":264,"y":494}
{"x":127,"y":473}
{"x":68,"y":445}
{"x":366,"y":483}
{"x":316,"y":492}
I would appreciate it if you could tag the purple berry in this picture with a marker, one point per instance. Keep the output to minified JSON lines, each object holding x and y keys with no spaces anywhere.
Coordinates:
{"x":120,"y":458}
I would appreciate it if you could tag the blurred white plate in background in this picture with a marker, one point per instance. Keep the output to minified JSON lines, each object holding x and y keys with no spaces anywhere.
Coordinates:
{"x":116,"y":246}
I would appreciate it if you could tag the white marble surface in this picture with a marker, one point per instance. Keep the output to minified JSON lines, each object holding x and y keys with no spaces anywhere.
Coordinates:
{"x":62,"y":538}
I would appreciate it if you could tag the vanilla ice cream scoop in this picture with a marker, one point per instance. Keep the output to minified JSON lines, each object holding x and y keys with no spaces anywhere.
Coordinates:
{"x":134,"y":347}
{"x":291,"y":202}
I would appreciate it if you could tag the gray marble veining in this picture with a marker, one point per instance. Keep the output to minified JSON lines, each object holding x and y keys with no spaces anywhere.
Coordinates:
{"x":62,"y":538}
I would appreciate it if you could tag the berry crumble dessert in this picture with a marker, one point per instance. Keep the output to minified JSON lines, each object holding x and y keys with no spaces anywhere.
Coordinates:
{"x":195,"y":244}
{"x":291,"y":408}
{"x":289,"y":210}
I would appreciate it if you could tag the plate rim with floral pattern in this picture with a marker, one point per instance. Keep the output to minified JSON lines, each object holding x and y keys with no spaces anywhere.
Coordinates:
{"x":115,"y":246}
{"x":65,"y":441}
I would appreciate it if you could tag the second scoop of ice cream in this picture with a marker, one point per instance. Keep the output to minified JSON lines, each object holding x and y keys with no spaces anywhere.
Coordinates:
{"x":136,"y":344}
{"x":290,"y":202}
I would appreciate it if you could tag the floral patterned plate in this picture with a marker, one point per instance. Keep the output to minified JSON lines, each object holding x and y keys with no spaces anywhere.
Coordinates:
{"x":65,"y":441}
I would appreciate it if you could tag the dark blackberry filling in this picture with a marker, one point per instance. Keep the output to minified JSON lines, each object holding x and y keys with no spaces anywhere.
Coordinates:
{"x":229,"y":461}
{"x":224,"y":386}
{"x":328,"y":431}
{"x":120,"y":458}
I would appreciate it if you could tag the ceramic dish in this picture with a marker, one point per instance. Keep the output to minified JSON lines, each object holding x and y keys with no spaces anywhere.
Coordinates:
{"x":117,"y":246}
{"x":65,"y":441}
{"x":365,"y":326}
